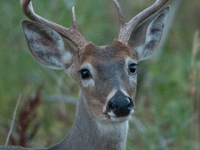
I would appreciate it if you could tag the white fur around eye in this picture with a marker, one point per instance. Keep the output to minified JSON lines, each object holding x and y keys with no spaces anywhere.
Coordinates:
{"x":87,"y":82}
{"x":132,"y":77}
{"x":90,"y":81}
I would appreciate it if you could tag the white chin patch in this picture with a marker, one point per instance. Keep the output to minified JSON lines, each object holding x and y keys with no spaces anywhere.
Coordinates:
{"x":120,"y":119}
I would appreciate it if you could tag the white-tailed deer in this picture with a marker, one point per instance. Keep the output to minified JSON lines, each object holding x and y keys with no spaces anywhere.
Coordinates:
{"x":106,"y":74}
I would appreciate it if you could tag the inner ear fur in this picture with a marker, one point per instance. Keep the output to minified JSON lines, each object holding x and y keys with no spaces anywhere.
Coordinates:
{"x":146,"y":37}
{"x":47,"y":46}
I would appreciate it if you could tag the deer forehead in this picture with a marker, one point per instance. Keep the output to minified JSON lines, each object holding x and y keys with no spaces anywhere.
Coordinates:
{"x":103,"y":54}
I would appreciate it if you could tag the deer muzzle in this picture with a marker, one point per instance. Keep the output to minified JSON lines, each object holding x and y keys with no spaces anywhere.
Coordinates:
{"x":120,"y":105}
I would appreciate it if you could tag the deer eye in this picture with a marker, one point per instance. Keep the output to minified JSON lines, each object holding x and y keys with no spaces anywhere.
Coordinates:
{"x":85,"y":74}
{"x":132,"y":68}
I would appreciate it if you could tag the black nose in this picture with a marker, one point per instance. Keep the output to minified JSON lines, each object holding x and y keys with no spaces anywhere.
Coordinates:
{"x":120,"y":105}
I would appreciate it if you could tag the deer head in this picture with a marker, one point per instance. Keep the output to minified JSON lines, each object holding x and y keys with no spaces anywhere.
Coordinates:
{"x":106,"y":75}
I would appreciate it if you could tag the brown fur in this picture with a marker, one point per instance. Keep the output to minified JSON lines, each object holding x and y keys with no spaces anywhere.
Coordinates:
{"x":115,"y":51}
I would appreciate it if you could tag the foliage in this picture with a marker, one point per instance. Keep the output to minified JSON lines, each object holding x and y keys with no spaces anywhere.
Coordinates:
{"x":168,"y":98}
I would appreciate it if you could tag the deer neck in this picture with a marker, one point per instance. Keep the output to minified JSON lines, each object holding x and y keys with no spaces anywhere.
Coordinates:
{"x":89,"y":133}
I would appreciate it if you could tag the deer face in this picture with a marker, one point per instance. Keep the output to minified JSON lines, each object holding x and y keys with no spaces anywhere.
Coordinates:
{"x":106,"y":74}
{"x":107,"y":78}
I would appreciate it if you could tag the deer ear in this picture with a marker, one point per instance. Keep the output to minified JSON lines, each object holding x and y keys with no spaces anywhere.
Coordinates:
{"x":145,"y":39}
{"x":47,"y":46}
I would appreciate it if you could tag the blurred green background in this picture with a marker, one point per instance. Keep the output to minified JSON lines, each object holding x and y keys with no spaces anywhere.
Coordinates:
{"x":168,"y":99}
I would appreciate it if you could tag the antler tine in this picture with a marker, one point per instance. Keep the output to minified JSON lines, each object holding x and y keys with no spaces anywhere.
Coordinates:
{"x":72,"y":34}
{"x":120,"y":14}
{"x":74,"y":23}
{"x":125,"y":33}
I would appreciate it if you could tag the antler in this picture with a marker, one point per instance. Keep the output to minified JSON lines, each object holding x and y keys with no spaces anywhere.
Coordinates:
{"x":72,"y":34}
{"x":127,"y":28}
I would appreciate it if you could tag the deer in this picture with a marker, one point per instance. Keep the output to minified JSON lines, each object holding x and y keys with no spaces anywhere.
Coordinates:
{"x":107,"y":75}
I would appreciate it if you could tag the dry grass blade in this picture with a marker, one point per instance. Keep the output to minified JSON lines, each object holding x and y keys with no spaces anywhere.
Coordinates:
{"x":13,"y":120}
{"x":27,"y":123}
{"x":196,"y":45}
{"x":194,"y":90}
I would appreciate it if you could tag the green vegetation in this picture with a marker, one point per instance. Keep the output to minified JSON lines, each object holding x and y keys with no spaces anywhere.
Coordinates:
{"x":168,"y":99}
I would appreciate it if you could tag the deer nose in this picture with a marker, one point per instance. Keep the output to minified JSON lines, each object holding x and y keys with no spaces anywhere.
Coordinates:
{"x":120,"y":105}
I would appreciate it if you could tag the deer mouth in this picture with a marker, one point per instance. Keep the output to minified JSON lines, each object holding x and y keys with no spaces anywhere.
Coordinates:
{"x":119,"y":119}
